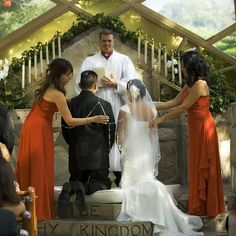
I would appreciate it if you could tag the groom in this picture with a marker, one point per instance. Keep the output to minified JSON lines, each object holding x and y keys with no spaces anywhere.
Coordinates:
{"x":89,"y":145}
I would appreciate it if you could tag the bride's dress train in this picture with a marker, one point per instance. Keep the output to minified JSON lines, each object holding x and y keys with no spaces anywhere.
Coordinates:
{"x":144,"y":197}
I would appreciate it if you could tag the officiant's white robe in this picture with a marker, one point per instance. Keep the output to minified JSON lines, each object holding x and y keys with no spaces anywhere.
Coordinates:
{"x":122,"y":69}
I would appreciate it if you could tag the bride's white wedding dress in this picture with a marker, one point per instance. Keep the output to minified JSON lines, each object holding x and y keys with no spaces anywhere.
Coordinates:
{"x":145,"y":198}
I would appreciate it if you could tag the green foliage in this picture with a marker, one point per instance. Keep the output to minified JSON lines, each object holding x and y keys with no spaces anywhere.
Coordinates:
{"x":20,"y":13}
{"x":220,"y":97}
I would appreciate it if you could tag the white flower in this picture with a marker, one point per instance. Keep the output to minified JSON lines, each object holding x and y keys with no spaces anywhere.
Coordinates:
{"x":169,"y":63}
{"x":4,"y":67}
{"x":135,"y":92}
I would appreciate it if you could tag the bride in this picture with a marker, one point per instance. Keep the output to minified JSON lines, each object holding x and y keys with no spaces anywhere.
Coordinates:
{"x":145,"y":198}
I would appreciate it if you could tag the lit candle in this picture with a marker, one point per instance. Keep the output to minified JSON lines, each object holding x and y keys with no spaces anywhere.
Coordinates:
{"x":23,"y":74}
{"x":152,"y":54}
{"x":155,"y":67}
{"x":41,"y":61}
{"x":53,"y":49}
{"x":59,"y":46}
{"x":165,"y":62}
{"x":145,"y":50}
{"x":47,"y":54}
{"x":35,"y":65}
{"x":139,"y":46}
{"x":29,"y":70}
{"x":179,"y":70}
{"x":159,"y":57}
{"x":172,"y":66}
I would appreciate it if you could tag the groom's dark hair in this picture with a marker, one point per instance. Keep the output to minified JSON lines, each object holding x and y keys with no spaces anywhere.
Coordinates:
{"x":88,"y":79}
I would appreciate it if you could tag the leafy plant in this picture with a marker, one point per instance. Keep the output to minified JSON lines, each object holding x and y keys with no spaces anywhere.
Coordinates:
{"x":220,"y":98}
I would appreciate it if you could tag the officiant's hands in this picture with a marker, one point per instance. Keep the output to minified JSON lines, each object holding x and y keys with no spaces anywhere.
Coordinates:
{"x":109,"y":82}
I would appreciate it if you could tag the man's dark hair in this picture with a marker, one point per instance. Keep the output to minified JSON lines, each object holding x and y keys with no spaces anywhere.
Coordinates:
{"x":105,"y":32}
{"x":88,"y":79}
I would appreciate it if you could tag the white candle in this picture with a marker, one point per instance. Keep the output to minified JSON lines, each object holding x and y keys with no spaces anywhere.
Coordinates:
{"x":35,"y":65}
{"x":179,"y":70}
{"x":59,"y":46}
{"x":29,"y":70}
{"x":23,"y":74}
{"x":155,"y":67}
{"x":53,"y":49}
{"x":47,"y":54}
{"x":41,"y":61}
{"x":172,"y":66}
{"x":152,"y":54}
{"x":145,"y":50}
{"x":165,"y":62}
{"x":159,"y":57}
{"x":139,"y":46}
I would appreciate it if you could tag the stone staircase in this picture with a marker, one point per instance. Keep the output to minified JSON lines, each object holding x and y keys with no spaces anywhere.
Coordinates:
{"x":102,"y":209}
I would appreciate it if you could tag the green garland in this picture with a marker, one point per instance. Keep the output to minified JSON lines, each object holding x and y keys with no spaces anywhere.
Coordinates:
{"x":12,"y":97}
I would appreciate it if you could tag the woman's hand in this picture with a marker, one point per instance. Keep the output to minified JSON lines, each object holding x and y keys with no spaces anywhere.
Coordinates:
{"x":5,"y":153}
{"x":155,"y":122}
{"x":100,"y":119}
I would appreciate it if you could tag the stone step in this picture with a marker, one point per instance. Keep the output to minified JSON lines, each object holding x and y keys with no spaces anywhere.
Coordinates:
{"x":102,"y":209}
{"x":103,"y":205}
{"x":75,"y":227}
{"x":82,"y":227}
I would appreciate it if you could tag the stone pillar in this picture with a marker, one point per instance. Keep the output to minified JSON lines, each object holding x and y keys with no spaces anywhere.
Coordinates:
{"x":233,"y":146}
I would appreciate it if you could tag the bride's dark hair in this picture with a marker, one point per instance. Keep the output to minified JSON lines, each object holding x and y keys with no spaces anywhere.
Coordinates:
{"x":139,"y":84}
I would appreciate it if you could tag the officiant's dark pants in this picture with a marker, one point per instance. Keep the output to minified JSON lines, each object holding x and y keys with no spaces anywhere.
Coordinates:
{"x":93,"y":180}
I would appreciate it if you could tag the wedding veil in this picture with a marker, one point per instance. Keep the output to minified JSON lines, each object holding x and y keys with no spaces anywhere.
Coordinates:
{"x":143,"y":141}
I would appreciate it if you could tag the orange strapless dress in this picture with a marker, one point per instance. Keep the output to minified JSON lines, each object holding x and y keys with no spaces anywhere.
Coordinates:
{"x":204,"y":171}
{"x":35,"y":163}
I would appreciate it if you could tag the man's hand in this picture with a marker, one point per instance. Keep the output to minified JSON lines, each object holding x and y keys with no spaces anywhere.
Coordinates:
{"x":109,"y":82}
{"x":5,"y":152}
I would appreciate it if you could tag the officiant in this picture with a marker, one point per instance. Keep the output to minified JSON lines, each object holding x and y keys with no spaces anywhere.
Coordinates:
{"x":114,"y":71}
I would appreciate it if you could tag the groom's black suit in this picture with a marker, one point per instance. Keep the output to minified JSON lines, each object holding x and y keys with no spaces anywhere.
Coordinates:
{"x":89,"y":144}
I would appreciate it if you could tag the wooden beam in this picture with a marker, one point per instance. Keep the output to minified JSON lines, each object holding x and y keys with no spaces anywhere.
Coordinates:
{"x":231,"y":29}
{"x":72,"y":7}
{"x":228,"y":69}
{"x":235,"y":10}
{"x":30,"y":27}
{"x":62,"y":7}
{"x":183,"y":42}
{"x":171,"y":26}
{"x":120,"y":10}
{"x":123,"y":8}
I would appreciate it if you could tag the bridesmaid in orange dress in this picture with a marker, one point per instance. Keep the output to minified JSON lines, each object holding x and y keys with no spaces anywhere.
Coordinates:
{"x":206,"y":196}
{"x":35,"y":163}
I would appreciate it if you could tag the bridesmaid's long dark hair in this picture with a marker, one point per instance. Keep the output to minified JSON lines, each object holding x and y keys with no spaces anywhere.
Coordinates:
{"x":7,"y":177}
{"x":195,"y":66}
{"x":8,"y":192}
{"x":54,"y":71}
